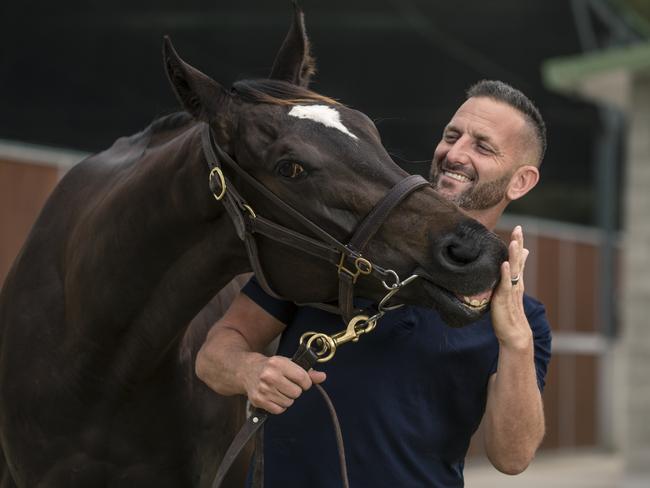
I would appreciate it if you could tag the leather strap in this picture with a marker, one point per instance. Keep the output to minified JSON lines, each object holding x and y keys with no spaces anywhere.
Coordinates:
{"x":258,"y":455}
{"x":306,"y":359}
{"x":374,"y":220}
{"x":339,"y":437}
{"x":258,"y":460}
{"x":368,"y":228}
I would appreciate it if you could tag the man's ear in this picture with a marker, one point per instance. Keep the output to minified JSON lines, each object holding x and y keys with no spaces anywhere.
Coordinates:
{"x":523,"y":180}
{"x":199,"y":94}
{"x":294,"y":62}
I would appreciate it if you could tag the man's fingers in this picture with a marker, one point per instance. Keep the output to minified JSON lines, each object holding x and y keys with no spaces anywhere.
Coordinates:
{"x":283,"y":397}
{"x":505,"y":275}
{"x":274,"y":409}
{"x":518,"y":235}
{"x":516,"y":252}
{"x":269,"y":397}
{"x":288,"y":388}
{"x":271,"y":407}
{"x":514,"y":258}
{"x":280,"y":382}
{"x":317,"y":376}
{"x":280,"y":399}
{"x":270,"y":401}
{"x":297,"y":375}
{"x":284,"y":367}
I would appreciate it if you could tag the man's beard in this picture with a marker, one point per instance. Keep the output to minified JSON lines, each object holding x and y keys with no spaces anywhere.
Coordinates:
{"x":479,"y":196}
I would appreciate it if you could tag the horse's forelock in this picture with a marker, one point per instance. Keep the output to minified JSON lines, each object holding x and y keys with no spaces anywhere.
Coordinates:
{"x":276,"y":92}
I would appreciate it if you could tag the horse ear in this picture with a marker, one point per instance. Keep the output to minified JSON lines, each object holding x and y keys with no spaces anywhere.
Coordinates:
{"x":199,"y":94}
{"x":294,"y":62}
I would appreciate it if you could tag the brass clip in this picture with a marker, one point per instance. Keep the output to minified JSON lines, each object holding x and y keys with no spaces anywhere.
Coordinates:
{"x":362,"y":264}
{"x":325,"y":346}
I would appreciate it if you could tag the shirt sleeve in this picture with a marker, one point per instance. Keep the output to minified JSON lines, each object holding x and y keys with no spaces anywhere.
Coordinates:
{"x":280,"y":309}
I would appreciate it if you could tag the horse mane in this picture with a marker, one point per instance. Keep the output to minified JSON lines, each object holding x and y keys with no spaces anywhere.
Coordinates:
{"x":170,"y":122}
{"x":277,"y":92}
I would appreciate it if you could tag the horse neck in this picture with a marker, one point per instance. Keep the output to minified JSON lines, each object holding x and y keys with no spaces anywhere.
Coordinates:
{"x":163,"y":247}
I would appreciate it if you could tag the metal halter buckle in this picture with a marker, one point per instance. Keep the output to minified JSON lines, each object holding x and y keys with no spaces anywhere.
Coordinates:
{"x":222,"y":182}
{"x":362,"y":265}
{"x":250,"y":210}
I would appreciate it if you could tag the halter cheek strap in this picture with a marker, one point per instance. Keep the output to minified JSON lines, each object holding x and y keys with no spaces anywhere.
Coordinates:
{"x":367,"y":229}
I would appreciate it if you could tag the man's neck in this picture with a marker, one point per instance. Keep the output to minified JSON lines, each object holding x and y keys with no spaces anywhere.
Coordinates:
{"x":488,"y":217}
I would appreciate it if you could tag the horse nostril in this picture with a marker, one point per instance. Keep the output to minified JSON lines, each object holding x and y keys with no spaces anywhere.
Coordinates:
{"x":468,"y":248}
{"x":462,"y":253}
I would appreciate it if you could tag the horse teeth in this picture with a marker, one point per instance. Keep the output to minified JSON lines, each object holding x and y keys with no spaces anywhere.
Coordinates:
{"x":475,"y":303}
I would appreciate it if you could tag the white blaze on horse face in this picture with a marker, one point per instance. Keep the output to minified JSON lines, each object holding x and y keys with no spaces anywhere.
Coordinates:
{"x":322,"y":114}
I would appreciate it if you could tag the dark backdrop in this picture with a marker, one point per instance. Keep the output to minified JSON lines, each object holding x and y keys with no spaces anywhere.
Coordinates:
{"x":81,"y":73}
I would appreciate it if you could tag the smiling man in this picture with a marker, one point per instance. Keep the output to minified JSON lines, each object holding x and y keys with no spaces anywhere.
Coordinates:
{"x":412,"y":393}
{"x":490,"y":151}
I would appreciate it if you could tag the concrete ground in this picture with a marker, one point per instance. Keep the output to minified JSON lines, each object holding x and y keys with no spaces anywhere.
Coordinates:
{"x":563,"y":470}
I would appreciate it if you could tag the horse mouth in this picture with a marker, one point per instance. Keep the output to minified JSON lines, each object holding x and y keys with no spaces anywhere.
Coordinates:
{"x":478,"y":302}
{"x":456,"y":309}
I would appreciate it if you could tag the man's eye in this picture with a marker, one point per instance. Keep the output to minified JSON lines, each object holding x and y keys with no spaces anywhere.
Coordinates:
{"x":484,"y":149}
{"x":290,"y":169}
{"x":450,"y":137}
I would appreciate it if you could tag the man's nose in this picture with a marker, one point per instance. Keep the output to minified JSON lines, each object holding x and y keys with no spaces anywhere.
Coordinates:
{"x":459,"y":152}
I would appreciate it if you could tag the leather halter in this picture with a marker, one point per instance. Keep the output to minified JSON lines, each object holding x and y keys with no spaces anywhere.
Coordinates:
{"x":348,"y":258}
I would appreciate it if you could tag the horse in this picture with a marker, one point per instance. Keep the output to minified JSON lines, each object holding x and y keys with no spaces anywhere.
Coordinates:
{"x":97,"y":337}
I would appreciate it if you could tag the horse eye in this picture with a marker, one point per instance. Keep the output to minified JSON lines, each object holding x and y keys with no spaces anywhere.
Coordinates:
{"x":290,"y":169}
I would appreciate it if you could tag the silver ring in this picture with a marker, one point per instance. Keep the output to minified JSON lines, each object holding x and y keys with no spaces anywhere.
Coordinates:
{"x":515,"y":280}
{"x":395,"y":277}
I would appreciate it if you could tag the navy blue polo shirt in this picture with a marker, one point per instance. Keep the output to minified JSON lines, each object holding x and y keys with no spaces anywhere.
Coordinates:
{"x":409,"y":396}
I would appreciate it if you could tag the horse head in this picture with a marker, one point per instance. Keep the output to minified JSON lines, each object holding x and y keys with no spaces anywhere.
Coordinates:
{"x":326,"y":160}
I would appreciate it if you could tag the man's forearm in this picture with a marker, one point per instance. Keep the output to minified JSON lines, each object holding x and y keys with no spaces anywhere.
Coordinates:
{"x":514,"y":418}
{"x":224,"y":359}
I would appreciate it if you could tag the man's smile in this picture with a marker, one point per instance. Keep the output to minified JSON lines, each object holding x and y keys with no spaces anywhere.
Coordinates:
{"x":456,"y":176}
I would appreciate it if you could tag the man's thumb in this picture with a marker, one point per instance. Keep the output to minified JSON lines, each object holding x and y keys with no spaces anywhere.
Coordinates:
{"x":317,"y":376}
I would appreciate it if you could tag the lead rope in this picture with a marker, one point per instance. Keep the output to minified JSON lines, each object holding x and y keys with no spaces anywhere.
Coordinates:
{"x":339,"y":436}
{"x":258,"y":454}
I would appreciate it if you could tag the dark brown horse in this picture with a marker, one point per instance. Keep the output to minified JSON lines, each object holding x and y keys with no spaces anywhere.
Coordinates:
{"x":97,"y":385}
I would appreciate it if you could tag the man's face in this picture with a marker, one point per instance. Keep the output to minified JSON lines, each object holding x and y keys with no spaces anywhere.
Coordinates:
{"x":480,"y":150}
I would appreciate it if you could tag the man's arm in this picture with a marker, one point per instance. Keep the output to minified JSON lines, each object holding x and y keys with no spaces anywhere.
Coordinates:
{"x":514,"y":415}
{"x":231,"y":361}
